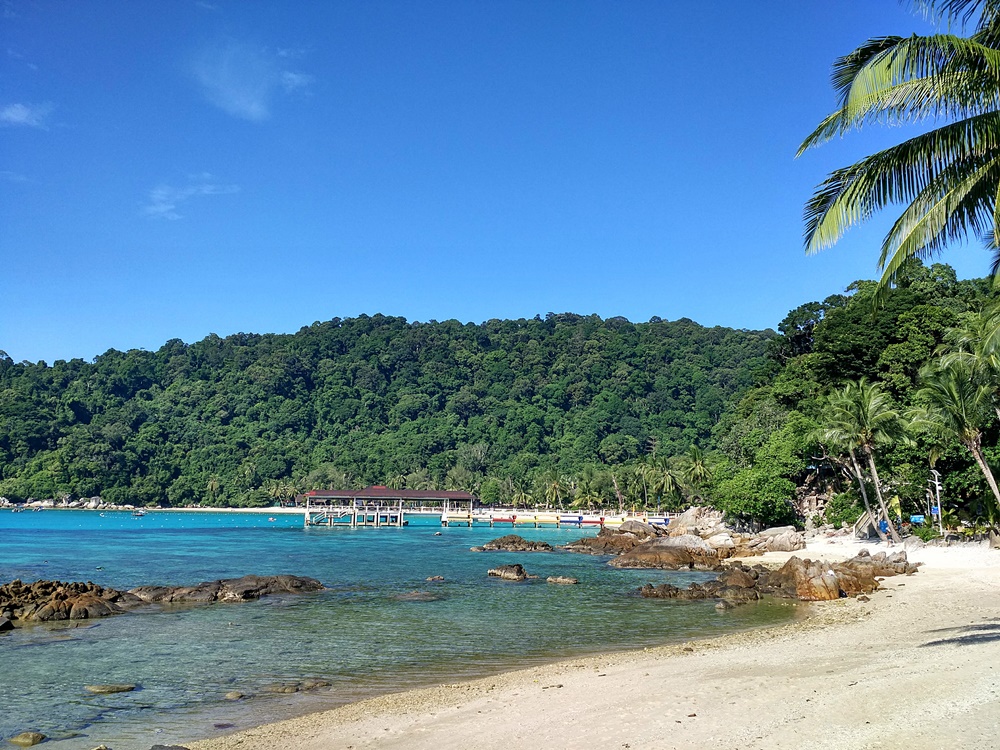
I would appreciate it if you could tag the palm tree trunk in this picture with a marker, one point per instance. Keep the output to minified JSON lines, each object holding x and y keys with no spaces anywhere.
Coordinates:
{"x":881,"y":501}
{"x":864,"y":494}
{"x":988,"y":473}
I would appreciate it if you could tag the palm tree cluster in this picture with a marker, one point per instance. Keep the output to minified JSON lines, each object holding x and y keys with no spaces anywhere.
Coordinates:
{"x":958,"y":398}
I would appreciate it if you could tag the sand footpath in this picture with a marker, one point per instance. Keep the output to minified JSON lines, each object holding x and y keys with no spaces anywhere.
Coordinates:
{"x":916,"y":667}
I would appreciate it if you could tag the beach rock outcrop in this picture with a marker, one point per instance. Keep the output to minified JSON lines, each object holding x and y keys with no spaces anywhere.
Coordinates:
{"x":705,"y":524}
{"x":670,"y":553}
{"x":515,"y":543}
{"x":611,"y":541}
{"x":44,"y":601}
{"x":563,"y":580}
{"x":805,"y":580}
{"x":508,"y":572}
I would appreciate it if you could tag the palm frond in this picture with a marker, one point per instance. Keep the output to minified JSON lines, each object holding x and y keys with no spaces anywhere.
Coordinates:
{"x":898,"y":174}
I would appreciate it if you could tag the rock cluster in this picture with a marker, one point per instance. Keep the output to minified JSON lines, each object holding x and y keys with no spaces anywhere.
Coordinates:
{"x":54,"y":600}
{"x":515,"y":543}
{"x":43,"y":601}
{"x":697,"y":538}
{"x":805,"y":580}
{"x":616,"y":541}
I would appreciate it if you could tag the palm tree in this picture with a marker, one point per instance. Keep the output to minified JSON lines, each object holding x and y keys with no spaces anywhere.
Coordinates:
{"x":947,"y":178}
{"x":556,"y":489}
{"x":695,"y":470}
{"x":858,"y":418}
{"x":521,"y":497}
{"x":213,"y":486}
{"x":959,"y":405}
{"x":661,"y":481}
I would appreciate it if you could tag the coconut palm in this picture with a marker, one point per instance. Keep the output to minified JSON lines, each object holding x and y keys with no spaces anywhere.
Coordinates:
{"x":958,"y":405}
{"x":947,"y":178}
{"x":521,"y":498}
{"x":661,"y":481}
{"x":695,"y":471}
{"x":556,"y":489}
{"x":859,"y":418}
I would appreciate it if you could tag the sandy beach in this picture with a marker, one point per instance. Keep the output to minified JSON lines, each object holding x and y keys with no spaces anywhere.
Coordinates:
{"x":916,"y":667}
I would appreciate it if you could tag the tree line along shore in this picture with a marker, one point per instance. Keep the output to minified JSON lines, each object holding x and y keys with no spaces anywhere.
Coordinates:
{"x":562,"y":411}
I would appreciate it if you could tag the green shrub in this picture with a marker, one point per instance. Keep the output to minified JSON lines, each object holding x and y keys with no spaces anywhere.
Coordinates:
{"x":842,"y":508}
{"x":925,"y":532}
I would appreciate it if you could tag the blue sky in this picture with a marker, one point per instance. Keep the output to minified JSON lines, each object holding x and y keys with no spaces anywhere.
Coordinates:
{"x":168,"y":170}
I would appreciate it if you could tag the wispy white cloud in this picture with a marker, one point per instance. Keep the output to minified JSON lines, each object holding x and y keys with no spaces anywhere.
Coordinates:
{"x":13,"y":54}
{"x":26,"y":115}
{"x":164,"y":200}
{"x":243,"y":80}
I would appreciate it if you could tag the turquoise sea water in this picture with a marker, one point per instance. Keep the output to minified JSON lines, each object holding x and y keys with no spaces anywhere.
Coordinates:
{"x":359,"y":635}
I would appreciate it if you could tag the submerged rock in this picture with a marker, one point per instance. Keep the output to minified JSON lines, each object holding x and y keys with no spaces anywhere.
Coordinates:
{"x":108,"y":689}
{"x":27,"y":739}
{"x":564,"y":580}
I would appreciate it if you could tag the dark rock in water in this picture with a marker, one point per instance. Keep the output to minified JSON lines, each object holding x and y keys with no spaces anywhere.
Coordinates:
{"x":44,"y":601}
{"x":508,"y":572}
{"x":108,"y":689}
{"x":434,"y":579}
{"x":168,"y":747}
{"x":247,"y":588}
{"x":27,"y":739}
{"x":234,"y":695}
{"x":55,"y":600}
{"x":5,"y":624}
{"x":515,"y":543}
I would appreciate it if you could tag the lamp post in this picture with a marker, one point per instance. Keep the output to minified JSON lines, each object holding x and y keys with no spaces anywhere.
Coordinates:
{"x":937,"y":491}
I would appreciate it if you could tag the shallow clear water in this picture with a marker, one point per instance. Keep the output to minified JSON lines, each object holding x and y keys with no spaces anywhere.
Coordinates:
{"x":359,"y":635}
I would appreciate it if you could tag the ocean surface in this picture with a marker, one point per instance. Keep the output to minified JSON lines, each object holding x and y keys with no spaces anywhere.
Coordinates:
{"x":361,"y":635}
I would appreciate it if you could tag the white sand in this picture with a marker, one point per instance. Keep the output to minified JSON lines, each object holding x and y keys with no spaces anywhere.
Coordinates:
{"x":917,"y":667}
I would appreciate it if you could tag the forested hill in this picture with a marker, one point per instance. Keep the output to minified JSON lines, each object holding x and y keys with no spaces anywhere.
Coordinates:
{"x":247,"y":418}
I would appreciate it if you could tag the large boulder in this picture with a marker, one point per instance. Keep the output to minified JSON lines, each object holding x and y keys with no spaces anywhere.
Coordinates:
{"x":671,"y":553}
{"x":508,"y":572}
{"x":607,"y":542}
{"x":789,"y":540}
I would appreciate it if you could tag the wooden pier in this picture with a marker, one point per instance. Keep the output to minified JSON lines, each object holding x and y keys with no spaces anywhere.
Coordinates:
{"x":381,"y":506}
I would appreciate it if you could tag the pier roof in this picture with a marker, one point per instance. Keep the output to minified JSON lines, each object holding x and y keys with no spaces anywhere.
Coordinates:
{"x":386,"y":493}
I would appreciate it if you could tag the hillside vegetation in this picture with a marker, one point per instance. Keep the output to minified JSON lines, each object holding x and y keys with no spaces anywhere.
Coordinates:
{"x":249,"y":418}
{"x":562,"y":411}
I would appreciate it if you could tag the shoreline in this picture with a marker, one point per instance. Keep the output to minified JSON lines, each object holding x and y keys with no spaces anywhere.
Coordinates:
{"x":851,"y":674}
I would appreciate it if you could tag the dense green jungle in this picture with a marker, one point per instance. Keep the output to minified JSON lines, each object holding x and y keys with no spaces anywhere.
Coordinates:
{"x":565,"y":410}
